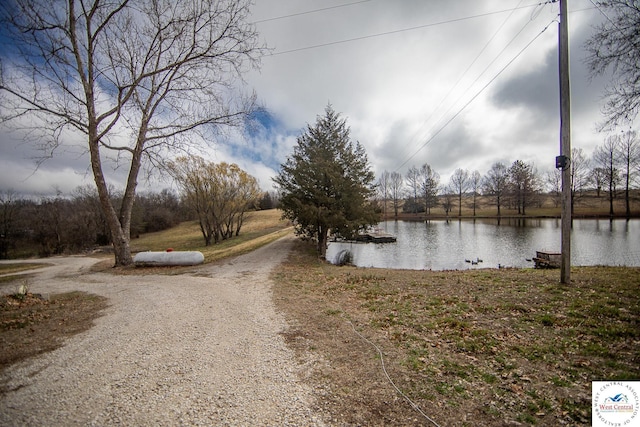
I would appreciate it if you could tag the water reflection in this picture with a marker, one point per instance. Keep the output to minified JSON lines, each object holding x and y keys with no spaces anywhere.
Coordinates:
{"x":443,"y":245}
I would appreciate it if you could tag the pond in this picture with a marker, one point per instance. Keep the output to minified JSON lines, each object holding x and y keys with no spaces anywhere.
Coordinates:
{"x":451,"y":245}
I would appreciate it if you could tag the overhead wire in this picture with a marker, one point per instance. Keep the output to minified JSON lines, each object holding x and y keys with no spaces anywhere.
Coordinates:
{"x":483,"y":71}
{"x":433,"y":24}
{"x":606,"y":16}
{"x":310,"y":11}
{"x":463,"y":75}
{"x":428,"y":141}
{"x":402,"y":30}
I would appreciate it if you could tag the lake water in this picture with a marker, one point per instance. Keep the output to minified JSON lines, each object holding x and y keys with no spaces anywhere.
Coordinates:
{"x":445,"y":245}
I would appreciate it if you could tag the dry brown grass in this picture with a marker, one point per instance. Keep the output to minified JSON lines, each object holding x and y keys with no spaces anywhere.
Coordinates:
{"x":31,"y":325}
{"x":471,"y":348}
{"x":260,"y":228}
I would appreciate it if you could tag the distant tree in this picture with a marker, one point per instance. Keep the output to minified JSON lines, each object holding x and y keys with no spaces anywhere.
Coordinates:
{"x":629,"y":152}
{"x":598,"y":178}
{"x":495,"y":184}
{"x":219,"y":193}
{"x":49,"y":223}
{"x":447,"y":198}
{"x":135,"y":78}
{"x":554,"y":185}
{"x":268,"y":201}
{"x":411,"y":206}
{"x":459,"y":184}
{"x":605,"y":157}
{"x":475,"y":185}
{"x":383,"y":190}
{"x":86,"y":200}
{"x":8,"y":218}
{"x":523,"y":182}
{"x":429,"y":183}
{"x":158,"y":211}
{"x":614,"y":47}
{"x":413,"y":182}
{"x":327,"y":184}
{"x":396,"y":185}
{"x":580,"y":175}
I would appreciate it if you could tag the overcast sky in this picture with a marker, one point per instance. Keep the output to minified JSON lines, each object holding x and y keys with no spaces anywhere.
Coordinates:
{"x":455,"y":84}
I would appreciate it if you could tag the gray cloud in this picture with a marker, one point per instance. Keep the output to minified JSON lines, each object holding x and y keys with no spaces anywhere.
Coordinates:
{"x":398,"y":89}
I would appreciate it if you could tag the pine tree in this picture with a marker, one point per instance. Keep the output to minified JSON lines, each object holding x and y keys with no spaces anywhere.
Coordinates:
{"x":326,"y":184}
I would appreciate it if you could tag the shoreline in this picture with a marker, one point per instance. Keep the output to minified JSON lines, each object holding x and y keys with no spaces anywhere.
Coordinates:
{"x":419,"y":217}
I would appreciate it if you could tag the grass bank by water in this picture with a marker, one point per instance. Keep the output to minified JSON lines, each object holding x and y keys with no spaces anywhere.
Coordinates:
{"x":482,"y":347}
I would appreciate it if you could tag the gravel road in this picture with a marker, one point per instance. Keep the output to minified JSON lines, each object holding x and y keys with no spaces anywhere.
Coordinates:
{"x":193,"y":349}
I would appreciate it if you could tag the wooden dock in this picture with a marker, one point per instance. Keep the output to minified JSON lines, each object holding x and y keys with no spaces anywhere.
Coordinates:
{"x":547,"y":259}
{"x":376,"y":237}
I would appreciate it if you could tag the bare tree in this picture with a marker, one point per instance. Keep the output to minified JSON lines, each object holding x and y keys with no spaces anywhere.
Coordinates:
{"x":598,"y":179}
{"x":474,"y":184}
{"x":629,"y":149}
{"x":448,"y":195}
{"x":605,"y":157}
{"x":459,"y":184}
{"x":614,"y":47}
{"x":580,"y":175}
{"x":524,"y":184}
{"x":383,"y":191}
{"x":396,"y":185}
{"x":496,"y":183}
{"x":136,"y":78}
{"x":413,"y":182}
{"x":554,"y":184}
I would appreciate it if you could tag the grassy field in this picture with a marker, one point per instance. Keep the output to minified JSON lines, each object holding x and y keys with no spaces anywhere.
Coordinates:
{"x":481,"y":347}
{"x":260,"y":228}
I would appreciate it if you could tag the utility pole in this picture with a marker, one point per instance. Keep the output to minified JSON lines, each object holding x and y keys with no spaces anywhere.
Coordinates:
{"x":563,"y":162}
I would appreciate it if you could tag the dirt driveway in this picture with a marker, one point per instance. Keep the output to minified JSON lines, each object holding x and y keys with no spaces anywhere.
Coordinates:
{"x":192,"y":349}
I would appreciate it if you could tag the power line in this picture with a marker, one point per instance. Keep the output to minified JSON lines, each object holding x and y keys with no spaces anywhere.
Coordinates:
{"x":309,"y":12}
{"x":474,"y":97}
{"x":485,"y":70}
{"x":607,"y":17}
{"x":467,"y":70}
{"x":386,"y":33}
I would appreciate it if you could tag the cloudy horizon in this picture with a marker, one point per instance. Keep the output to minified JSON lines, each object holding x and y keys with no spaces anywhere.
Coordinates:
{"x":458,"y":84}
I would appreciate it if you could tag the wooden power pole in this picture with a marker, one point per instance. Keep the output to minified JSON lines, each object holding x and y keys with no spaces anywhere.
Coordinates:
{"x":563,"y":162}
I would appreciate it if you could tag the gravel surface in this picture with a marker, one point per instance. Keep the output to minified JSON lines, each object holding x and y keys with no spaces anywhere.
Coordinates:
{"x":193,"y":349}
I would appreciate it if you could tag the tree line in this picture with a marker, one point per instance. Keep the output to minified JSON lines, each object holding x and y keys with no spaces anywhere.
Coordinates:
{"x":215,"y":195}
{"x":75,"y":223}
{"x":613,"y":168}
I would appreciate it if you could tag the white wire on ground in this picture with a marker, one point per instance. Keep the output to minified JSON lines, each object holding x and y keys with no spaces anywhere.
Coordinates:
{"x":384,"y":369}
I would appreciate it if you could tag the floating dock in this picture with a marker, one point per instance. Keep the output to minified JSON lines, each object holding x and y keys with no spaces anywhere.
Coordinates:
{"x":547,"y":259}
{"x":376,"y":237}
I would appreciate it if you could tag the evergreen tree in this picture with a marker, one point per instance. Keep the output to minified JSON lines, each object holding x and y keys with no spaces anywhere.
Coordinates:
{"x":326,"y":184}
